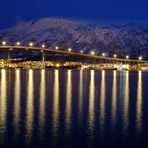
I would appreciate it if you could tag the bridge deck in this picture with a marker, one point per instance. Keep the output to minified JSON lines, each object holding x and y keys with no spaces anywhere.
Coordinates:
{"x":70,"y":53}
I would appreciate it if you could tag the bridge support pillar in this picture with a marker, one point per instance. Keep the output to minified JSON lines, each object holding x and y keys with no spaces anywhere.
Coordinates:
{"x":43,"y":60}
{"x":8,"y":58}
{"x":8,"y":54}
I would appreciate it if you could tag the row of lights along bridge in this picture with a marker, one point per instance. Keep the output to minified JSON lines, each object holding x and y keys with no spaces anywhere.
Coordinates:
{"x":31,"y":44}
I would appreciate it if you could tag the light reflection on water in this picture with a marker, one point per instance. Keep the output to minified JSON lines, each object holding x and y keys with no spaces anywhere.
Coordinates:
{"x":17,"y":101}
{"x":80,"y":107}
{"x":126,"y":102}
{"x":102,"y":101}
{"x":30,"y":105}
{"x":114,"y":99}
{"x":3,"y":104}
{"x":56,"y":103}
{"x":42,"y":101}
{"x":139,"y":103}
{"x":91,"y":108}
{"x":80,"y":95}
{"x":68,"y":105}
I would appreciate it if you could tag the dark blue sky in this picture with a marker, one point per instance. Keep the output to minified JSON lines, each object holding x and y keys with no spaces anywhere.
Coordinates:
{"x":15,"y":11}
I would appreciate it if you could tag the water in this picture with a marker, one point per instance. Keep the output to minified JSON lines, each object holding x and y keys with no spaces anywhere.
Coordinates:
{"x":73,"y":108}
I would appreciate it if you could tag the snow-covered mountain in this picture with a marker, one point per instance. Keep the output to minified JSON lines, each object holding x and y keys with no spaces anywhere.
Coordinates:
{"x":65,"y":33}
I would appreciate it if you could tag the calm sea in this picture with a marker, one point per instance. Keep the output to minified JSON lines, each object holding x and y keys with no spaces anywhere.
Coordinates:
{"x":73,"y":108}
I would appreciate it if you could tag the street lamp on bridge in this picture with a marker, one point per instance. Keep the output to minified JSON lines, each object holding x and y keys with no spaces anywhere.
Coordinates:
{"x":57,"y":47}
{"x":103,"y":54}
{"x":93,"y":53}
{"x":140,"y":58}
{"x":4,"y":43}
{"x":115,"y":55}
{"x":31,"y":44}
{"x":127,"y":57}
{"x":69,"y":49}
{"x":43,"y":46}
{"x":18,"y":43}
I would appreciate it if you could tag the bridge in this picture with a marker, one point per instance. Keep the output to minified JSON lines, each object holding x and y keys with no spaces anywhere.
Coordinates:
{"x":48,"y":54}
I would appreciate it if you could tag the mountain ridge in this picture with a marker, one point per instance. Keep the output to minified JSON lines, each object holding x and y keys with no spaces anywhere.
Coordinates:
{"x":80,"y":35}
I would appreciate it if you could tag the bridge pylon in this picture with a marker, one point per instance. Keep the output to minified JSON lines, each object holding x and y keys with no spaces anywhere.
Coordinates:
{"x":43,"y":59}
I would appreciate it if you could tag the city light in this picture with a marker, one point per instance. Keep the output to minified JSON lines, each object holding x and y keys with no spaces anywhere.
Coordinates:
{"x":103,"y":54}
{"x":115,"y":55}
{"x":18,"y":43}
{"x":69,"y":49}
{"x":93,"y":53}
{"x":57,"y":65}
{"x":31,"y":44}
{"x":140,"y":58}
{"x":81,"y":51}
{"x":56,"y":47}
{"x":43,"y":46}
{"x":127,"y":57}
{"x":4,"y":43}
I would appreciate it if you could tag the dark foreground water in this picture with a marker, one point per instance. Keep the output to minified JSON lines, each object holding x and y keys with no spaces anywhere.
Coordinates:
{"x":72,"y":108}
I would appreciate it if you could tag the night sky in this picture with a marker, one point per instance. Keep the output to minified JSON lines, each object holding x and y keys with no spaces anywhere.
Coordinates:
{"x":13,"y":12}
